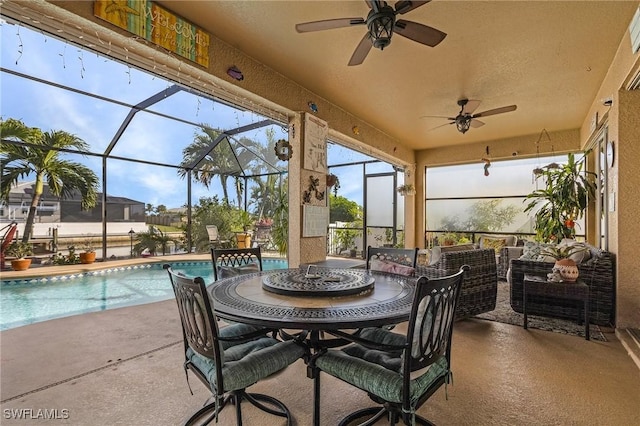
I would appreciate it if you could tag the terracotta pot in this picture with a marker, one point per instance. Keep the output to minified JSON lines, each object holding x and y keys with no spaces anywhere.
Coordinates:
{"x":87,"y":257}
{"x":568,"y":269}
{"x":20,"y":264}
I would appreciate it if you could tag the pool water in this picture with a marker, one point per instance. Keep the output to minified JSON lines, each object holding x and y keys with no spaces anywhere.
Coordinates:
{"x":39,"y":299}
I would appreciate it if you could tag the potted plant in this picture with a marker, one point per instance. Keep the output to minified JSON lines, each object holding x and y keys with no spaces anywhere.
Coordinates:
{"x":88,"y":253}
{"x":563,"y":200}
{"x":565,"y":266}
{"x":20,"y":251}
{"x":406,"y":189}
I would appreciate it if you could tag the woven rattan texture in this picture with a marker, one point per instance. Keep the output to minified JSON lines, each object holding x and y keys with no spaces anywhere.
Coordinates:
{"x":480,"y":284}
{"x":597,"y":273}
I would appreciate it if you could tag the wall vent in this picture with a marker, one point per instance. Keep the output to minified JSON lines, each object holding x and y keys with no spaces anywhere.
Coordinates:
{"x":634,"y":32}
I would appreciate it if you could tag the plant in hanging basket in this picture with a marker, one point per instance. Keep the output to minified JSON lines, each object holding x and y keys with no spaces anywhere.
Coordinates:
{"x":332,"y":180}
{"x":406,"y":189}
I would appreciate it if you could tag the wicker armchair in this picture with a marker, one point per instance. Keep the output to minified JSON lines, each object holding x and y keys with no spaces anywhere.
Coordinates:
{"x":480,"y":284}
{"x":597,"y":273}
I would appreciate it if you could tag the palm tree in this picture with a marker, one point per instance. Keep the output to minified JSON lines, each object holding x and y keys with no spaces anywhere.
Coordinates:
{"x":41,"y":156}
{"x":210,"y":166}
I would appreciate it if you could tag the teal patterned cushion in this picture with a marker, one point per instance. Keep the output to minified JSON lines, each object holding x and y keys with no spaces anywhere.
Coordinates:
{"x":377,"y":379}
{"x":249,"y":362}
{"x":532,"y":250}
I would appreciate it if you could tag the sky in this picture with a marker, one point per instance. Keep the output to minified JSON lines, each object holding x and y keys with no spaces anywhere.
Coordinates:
{"x":149,"y":137}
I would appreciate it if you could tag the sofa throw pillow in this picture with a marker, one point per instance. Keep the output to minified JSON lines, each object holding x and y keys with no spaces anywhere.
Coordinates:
{"x":495,"y":243}
{"x":234,"y":271}
{"x":391,"y":267}
{"x":510,"y":240}
{"x":532,"y":250}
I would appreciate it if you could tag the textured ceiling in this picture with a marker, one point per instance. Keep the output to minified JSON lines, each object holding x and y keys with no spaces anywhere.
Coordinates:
{"x":547,"y":57}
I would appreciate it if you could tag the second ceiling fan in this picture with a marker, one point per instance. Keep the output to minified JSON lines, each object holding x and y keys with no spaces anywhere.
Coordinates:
{"x":466,"y":118}
{"x":382,"y":24}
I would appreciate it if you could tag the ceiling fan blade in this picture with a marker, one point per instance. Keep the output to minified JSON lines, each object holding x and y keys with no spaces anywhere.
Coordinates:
{"x":420,"y":33}
{"x":442,"y":125}
{"x":373,"y":4}
{"x":470,"y":106}
{"x":496,"y":111}
{"x":328,"y":24}
{"x":438,"y":116}
{"x":361,"y":51}
{"x":476,"y":123}
{"x":404,"y":6}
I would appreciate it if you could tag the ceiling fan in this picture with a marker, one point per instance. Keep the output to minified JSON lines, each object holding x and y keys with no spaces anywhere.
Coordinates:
{"x":382,"y":24}
{"x":466,"y":118}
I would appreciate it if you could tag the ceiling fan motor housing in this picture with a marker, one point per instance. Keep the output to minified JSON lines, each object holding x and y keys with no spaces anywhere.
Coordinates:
{"x":380,"y":24}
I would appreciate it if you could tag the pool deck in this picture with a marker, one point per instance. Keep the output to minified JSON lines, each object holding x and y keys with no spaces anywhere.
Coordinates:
{"x":37,"y":270}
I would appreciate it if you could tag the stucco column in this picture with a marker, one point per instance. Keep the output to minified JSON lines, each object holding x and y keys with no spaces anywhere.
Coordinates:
{"x":627,"y":201}
{"x":295,"y":197}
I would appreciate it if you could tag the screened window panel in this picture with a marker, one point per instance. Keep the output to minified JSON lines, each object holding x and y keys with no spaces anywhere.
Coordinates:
{"x":484,"y":215}
{"x":506,"y":178}
{"x":380,"y":200}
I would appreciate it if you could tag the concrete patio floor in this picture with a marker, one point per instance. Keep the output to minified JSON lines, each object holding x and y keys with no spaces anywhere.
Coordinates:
{"x":124,"y":367}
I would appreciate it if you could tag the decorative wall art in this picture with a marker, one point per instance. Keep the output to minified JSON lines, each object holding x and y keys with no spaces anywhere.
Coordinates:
{"x":283,"y":150}
{"x":315,"y":144}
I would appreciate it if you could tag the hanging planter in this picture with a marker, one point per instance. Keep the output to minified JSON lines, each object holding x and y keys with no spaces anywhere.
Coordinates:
{"x":406,"y":189}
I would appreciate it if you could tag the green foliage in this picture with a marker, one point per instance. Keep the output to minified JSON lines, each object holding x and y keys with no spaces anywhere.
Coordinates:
{"x":43,"y":161}
{"x":280,"y":228}
{"x":70,"y":259}
{"x":563,"y":252}
{"x":211,"y":211}
{"x":484,"y":215}
{"x":152,"y":240}
{"x":563,"y":199}
{"x":19,"y":250}
{"x":342,"y":209}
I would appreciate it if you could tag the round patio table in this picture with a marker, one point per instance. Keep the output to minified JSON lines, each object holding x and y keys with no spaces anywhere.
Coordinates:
{"x":277,"y":299}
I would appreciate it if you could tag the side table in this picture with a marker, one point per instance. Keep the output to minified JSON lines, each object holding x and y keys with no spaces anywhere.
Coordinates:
{"x":539,"y":286}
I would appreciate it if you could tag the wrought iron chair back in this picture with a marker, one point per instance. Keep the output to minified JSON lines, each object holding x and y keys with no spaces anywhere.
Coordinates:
{"x":400,"y":372}
{"x":407,"y":257}
{"x":254,"y":355}
{"x":241,"y":260}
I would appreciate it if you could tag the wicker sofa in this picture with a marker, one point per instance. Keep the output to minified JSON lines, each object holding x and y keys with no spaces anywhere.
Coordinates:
{"x":597,"y":272}
{"x":480,"y":285}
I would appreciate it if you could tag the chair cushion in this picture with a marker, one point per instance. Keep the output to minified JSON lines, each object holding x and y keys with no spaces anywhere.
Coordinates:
{"x":392,"y":267}
{"x":249,"y":362}
{"x":376,"y":378}
{"x":234,"y":271}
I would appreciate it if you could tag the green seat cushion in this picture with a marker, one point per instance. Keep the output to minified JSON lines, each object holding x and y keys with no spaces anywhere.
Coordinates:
{"x":379,"y":372}
{"x":249,"y":362}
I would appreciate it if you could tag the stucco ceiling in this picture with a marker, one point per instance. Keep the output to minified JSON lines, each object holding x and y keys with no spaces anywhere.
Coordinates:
{"x":547,"y":57}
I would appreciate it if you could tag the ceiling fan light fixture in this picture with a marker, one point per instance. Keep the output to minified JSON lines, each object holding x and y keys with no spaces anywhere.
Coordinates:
{"x":381,"y":27}
{"x":463,"y":124}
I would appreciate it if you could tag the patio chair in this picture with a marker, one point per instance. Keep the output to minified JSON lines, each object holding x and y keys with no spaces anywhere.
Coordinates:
{"x":214,"y":237}
{"x":395,"y":260}
{"x":233,"y":262}
{"x":229,"y":359}
{"x":400,"y":372}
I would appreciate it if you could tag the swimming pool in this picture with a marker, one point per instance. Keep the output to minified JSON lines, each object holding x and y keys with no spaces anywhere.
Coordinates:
{"x":25,"y":302}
